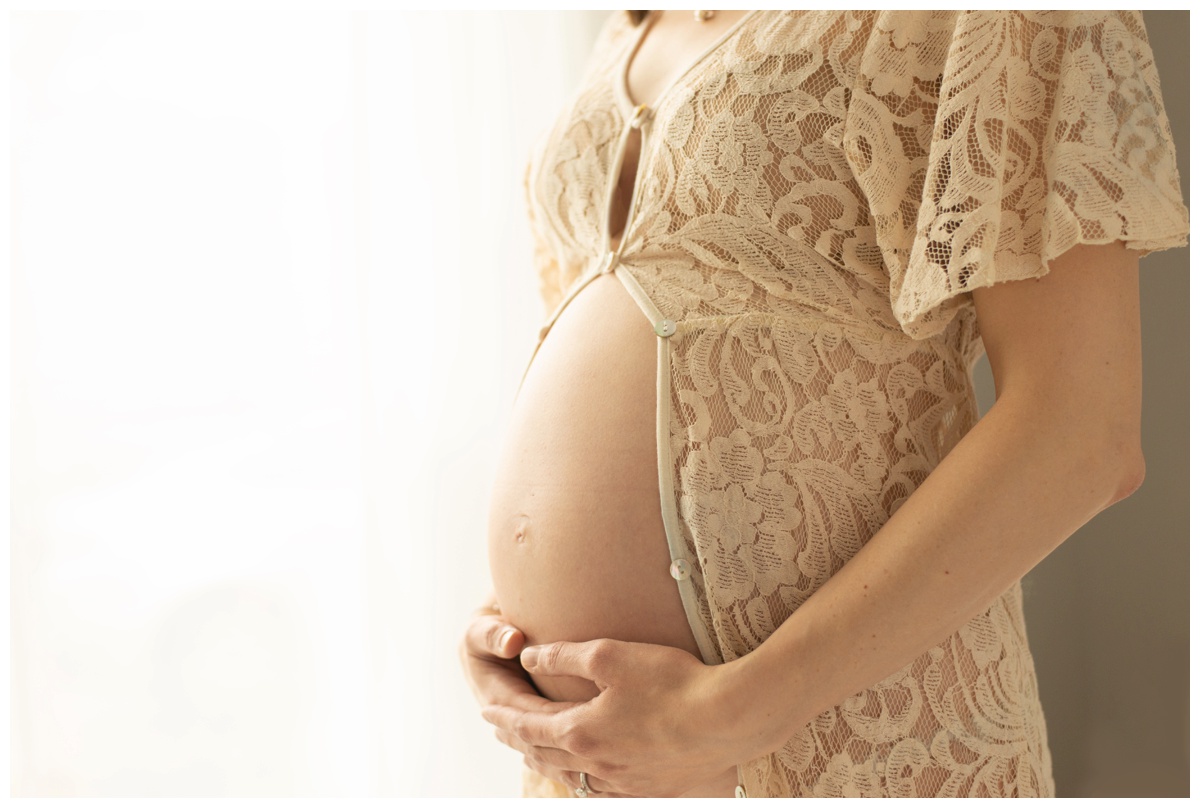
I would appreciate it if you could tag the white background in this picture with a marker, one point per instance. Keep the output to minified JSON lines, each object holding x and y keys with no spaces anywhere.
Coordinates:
{"x":271,"y":295}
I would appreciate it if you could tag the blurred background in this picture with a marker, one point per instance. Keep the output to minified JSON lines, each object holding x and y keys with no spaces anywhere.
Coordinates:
{"x":271,"y":297}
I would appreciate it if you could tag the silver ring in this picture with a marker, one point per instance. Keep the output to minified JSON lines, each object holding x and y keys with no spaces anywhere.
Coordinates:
{"x":584,"y":789}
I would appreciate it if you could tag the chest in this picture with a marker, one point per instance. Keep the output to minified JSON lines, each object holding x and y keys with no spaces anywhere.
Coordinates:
{"x":672,"y":43}
{"x":742,"y":119}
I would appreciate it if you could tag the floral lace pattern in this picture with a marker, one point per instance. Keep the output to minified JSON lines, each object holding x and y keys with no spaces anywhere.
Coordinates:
{"x":818,"y":193}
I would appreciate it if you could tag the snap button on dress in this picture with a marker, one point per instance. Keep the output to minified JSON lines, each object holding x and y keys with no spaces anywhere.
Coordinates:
{"x":609,"y":263}
{"x":664,"y":328}
{"x":640,"y":116}
{"x":679,"y":569}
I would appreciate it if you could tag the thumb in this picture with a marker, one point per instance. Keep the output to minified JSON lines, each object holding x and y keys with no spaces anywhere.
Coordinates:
{"x":490,"y":636}
{"x":588,"y":660}
{"x":508,"y":641}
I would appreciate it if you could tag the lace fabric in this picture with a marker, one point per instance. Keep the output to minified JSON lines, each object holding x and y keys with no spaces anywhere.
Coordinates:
{"x":818,"y":196}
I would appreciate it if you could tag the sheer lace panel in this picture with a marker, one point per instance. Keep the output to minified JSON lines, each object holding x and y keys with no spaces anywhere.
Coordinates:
{"x":818,"y":194}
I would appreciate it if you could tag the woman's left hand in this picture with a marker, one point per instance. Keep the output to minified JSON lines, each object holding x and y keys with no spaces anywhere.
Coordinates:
{"x":661,"y":726}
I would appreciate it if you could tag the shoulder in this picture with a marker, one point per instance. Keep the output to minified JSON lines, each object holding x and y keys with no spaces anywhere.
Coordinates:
{"x":997,"y":52}
{"x":940,"y":33}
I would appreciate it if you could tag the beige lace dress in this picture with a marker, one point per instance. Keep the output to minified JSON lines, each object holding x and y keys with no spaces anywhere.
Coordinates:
{"x":817,"y":194}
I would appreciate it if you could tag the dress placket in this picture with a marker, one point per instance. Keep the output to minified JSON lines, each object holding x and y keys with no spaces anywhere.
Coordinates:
{"x":640,"y":117}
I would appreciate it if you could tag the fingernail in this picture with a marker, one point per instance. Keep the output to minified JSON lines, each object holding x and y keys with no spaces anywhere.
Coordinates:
{"x":529,"y":657}
{"x":505,"y":637}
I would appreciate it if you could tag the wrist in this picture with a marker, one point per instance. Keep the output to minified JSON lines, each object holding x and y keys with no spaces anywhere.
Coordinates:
{"x":759,"y":708}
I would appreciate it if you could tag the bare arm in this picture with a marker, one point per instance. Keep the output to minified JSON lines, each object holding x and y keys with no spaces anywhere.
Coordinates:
{"x":1061,"y":444}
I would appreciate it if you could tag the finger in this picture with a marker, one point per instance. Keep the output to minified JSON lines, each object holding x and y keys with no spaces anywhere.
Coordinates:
{"x":489,"y":635}
{"x":510,"y":740}
{"x":563,"y":778}
{"x":547,"y":756}
{"x":594,"y":660}
{"x":570,"y":779}
{"x":599,"y":786}
{"x":496,"y":684}
{"x":534,"y":728}
{"x":489,"y":605}
{"x":561,"y":759}
{"x":531,"y":701}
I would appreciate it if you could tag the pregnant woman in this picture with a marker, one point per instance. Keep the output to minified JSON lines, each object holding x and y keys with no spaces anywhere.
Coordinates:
{"x":747,"y":524}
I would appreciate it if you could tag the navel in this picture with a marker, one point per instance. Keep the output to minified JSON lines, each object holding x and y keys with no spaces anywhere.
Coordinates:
{"x":523,"y":528}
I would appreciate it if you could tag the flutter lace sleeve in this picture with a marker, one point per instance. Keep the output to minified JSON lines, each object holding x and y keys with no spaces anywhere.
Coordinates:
{"x":988,"y":143}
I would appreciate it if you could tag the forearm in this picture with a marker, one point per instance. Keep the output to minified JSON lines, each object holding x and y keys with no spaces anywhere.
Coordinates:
{"x":1013,"y":489}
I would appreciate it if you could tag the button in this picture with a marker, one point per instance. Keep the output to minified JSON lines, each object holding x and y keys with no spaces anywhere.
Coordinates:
{"x":640,"y":116}
{"x":680,"y":569}
{"x":664,"y":328}
{"x":609,"y":264}
{"x":739,"y":791}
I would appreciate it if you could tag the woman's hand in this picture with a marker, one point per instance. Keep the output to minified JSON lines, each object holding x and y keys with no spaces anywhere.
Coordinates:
{"x":487,"y":653}
{"x":661,"y":726}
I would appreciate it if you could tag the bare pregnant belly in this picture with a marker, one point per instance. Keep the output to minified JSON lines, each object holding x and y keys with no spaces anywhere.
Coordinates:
{"x":575,"y":535}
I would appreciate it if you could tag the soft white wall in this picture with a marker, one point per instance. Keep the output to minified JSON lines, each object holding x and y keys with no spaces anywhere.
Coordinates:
{"x":452,"y":313}
{"x":271,"y":299}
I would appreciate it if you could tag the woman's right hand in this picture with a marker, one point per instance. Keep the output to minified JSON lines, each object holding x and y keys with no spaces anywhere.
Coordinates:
{"x":489,"y":652}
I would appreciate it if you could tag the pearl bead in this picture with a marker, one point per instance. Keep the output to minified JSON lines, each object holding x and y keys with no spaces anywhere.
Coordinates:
{"x":680,"y":569}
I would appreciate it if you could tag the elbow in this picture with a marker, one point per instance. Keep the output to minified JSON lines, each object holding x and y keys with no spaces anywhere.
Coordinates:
{"x":1131,"y":473}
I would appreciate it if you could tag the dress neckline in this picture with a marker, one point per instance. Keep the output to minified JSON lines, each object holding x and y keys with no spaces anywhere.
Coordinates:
{"x":627,"y":104}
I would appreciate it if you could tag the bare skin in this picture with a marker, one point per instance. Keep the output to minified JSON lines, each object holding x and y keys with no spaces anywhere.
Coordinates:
{"x":673,"y":41}
{"x":576,"y":539}
{"x":1061,"y":444}
{"x":1032,"y":329}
